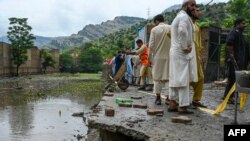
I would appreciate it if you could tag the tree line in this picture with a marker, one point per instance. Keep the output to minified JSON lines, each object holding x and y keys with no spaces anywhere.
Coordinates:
{"x":89,"y":57}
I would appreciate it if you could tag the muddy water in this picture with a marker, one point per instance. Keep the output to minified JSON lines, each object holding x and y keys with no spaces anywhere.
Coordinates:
{"x":36,"y":113}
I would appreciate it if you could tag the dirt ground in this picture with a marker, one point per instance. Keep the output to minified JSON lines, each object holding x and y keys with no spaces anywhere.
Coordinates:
{"x":135,"y":122}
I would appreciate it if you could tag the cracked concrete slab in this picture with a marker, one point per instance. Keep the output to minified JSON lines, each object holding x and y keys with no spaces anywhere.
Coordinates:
{"x":137,"y":123}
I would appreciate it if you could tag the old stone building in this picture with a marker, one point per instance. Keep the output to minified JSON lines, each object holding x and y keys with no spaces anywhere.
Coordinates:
{"x":32,"y":65}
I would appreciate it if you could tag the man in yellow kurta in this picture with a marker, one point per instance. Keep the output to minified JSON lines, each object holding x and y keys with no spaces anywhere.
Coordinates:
{"x":197,"y":86}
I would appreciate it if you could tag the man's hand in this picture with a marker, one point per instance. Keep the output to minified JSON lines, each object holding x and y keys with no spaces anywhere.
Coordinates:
{"x":129,"y":52}
{"x":125,"y":51}
{"x":231,"y":57}
{"x":188,"y":49}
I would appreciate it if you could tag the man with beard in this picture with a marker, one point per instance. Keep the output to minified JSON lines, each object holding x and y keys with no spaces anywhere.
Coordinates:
{"x":159,"y":45}
{"x":182,"y":65}
{"x":197,"y":86}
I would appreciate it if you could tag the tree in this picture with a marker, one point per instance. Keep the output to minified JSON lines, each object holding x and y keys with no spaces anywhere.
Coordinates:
{"x":66,"y":62}
{"x":21,"y":39}
{"x":237,"y":8}
{"x":88,"y":45}
{"x":206,"y":22}
{"x":228,"y":22}
{"x":48,"y":60}
{"x":90,"y":60}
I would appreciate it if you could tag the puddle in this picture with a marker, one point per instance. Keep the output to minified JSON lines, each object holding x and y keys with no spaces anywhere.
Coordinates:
{"x":39,"y":115}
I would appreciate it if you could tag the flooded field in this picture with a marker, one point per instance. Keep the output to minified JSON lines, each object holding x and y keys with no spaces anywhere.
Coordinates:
{"x":41,"y":108}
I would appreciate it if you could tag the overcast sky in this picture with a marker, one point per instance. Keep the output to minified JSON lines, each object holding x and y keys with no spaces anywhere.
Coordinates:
{"x":64,"y":17}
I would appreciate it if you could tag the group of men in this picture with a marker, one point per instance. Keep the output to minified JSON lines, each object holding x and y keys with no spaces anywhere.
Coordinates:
{"x":175,"y":53}
{"x":183,"y":56}
{"x":179,"y":61}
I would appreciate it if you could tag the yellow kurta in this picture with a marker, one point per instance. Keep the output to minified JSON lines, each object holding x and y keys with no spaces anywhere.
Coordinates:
{"x":198,"y":86}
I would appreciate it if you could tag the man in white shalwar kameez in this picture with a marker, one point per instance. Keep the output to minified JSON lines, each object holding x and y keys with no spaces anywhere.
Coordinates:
{"x":159,"y":45}
{"x":182,"y":66}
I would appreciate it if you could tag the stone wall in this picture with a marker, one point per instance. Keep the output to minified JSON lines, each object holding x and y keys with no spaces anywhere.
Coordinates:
{"x":32,"y":65}
{"x":5,"y":55}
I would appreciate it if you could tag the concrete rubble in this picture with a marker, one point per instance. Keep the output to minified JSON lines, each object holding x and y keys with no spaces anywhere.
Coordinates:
{"x":135,"y":122}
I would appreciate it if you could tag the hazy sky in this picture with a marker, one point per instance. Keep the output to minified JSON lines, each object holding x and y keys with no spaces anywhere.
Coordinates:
{"x":64,"y":17}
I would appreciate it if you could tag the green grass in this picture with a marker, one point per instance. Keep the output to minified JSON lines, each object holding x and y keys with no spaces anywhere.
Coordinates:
{"x":89,"y":90}
{"x":90,"y":86}
{"x":76,"y":75}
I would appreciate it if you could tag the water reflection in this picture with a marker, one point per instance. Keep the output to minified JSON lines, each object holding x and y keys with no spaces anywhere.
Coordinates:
{"x":46,"y":114}
{"x":20,"y":119}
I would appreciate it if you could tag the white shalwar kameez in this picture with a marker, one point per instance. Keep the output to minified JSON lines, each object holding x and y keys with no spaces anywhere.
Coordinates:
{"x":183,"y":68}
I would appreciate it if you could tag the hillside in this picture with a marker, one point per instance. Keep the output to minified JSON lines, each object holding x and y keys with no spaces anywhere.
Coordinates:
{"x":172,"y":8}
{"x":88,"y":33}
{"x":42,"y":41}
{"x":125,"y":38}
{"x":214,"y":13}
{"x":39,"y":42}
{"x":97,"y":31}
{"x":92,"y":32}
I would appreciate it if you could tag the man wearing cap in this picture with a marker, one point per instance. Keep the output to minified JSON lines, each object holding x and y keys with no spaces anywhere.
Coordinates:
{"x":159,"y":45}
{"x":182,"y":65}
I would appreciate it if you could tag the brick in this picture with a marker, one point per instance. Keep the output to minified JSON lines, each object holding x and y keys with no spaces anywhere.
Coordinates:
{"x":181,"y":119}
{"x":140,"y":105}
{"x":80,"y":114}
{"x":125,"y":105}
{"x":159,"y":115}
{"x":109,"y":112}
{"x":154,"y":111}
{"x":136,"y":97}
{"x":108,"y":94}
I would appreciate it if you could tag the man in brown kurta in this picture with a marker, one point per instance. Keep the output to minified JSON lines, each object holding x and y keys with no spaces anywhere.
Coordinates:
{"x":159,"y":45}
